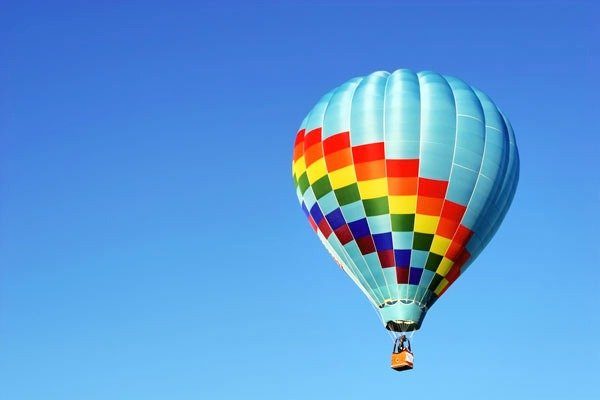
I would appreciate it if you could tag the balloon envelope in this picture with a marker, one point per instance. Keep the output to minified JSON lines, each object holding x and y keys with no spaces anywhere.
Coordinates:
{"x":405,"y":177}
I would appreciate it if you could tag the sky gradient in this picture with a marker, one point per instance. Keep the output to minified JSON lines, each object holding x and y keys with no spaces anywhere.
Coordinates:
{"x":151,"y":243}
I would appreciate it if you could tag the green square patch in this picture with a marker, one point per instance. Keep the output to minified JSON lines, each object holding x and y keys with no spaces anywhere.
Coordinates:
{"x":303,"y":183}
{"x":435,"y":282}
{"x":422,"y":241}
{"x":347,"y":194}
{"x":321,"y":187}
{"x":433,"y":261}
{"x":378,"y":206}
{"x":403,"y":222}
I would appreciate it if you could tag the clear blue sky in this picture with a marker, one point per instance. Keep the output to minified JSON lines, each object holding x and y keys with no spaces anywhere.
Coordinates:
{"x":151,"y":244}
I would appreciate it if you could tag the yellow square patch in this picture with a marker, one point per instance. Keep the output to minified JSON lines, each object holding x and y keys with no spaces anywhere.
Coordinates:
{"x":317,"y":170}
{"x":342,"y":177}
{"x":426,"y":223}
{"x":299,"y":166}
{"x":373,"y":188}
{"x":441,"y":286}
{"x":403,"y":204}
{"x":444,"y":266}
{"x":440,"y":245}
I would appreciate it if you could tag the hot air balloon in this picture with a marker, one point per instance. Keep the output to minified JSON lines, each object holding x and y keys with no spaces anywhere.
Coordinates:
{"x":405,"y":177}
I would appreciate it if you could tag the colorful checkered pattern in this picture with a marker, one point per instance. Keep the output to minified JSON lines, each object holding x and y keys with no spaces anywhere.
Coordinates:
{"x":405,"y":178}
{"x":389,"y":188}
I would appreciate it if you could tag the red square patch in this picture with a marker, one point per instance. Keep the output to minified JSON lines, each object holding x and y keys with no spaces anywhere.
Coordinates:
{"x":453,"y":211}
{"x":454,"y":251}
{"x":386,"y":257}
{"x":313,"y":137}
{"x":432,"y":188}
{"x":429,"y":205}
{"x":368,"y":152}
{"x":344,"y":234}
{"x":312,"y":223}
{"x":446,"y":227}
{"x":324,"y":227}
{"x":336,"y":142}
{"x":299,"y":137}
{"x":402,"y":274}
{"x":462,"y":236}
{"x":365,"y":244}
{"x":403,"y":168}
